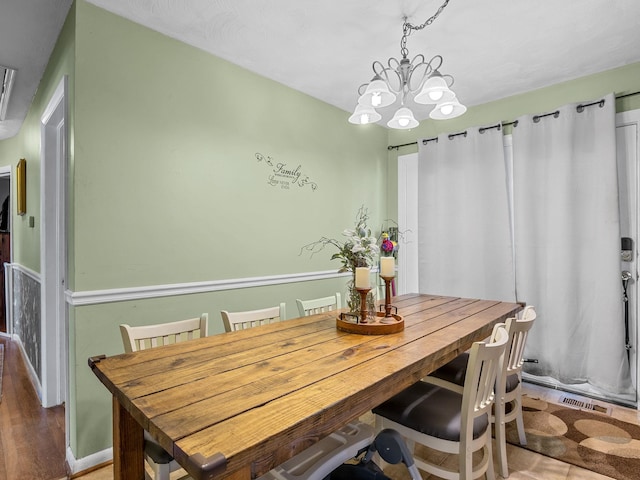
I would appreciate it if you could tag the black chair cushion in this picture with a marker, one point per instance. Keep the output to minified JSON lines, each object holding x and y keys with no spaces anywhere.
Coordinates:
{"x":155,"y":451}
{"x":430,"y":410}
{"x":512,"y":383}
{"x":456,"y":370}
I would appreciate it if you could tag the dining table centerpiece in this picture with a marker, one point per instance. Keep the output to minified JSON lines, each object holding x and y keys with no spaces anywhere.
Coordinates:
{"x":358,"y":249}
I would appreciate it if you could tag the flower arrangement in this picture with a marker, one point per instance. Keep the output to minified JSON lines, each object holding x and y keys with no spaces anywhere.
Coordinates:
{"x":359,"y":249}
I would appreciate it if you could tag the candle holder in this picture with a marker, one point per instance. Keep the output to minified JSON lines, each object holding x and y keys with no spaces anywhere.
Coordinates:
{"x":363,"y":303}
{"x":387,"y":295}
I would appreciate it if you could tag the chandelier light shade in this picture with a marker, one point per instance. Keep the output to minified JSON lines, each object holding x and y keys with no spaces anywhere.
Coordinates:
{"x":446,"y":110}
{"x":377,"y":94}
{"x":416,"y":80}
{"x":435,"y":90}
{"x":364,"y":115}
{"x":403,"y":119}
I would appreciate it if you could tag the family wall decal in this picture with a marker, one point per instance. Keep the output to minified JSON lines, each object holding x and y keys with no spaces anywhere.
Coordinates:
{"x":284,"y":175}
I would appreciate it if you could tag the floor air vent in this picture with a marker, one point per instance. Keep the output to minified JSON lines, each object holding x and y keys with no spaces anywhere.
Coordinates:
{"x":585,"y":405}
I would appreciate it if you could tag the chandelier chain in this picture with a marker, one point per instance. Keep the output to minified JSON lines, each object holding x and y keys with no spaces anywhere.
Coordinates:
{"x":407,"y":27}
{"x":429,"y":20}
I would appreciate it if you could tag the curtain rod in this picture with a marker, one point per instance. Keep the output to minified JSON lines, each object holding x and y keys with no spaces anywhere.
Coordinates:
{"x":514,"y":123}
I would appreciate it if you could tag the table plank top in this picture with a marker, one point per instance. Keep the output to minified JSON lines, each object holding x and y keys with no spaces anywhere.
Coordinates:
{"x":257,"y":397}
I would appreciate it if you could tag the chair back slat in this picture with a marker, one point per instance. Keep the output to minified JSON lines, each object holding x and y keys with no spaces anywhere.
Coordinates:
{"x":518,"y":331}
{"x":484,"y":361}
{"x":152,"y":336}
{"x":319,"y":305}
{"x":252,"y":318}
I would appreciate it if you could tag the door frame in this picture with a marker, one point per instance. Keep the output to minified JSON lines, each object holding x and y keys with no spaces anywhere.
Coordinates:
{"x":408,"y":223}
{"x":53,"y":247}
{"x":623,"y":119}
{"x":5,"y":172}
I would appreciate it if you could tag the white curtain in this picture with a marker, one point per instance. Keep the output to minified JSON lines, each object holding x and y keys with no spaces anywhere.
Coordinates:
{"x":567,"y":245}
{"x":463,"y":217}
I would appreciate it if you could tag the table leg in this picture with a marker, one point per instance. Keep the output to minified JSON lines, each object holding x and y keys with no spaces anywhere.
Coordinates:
{"x":128,"y":445}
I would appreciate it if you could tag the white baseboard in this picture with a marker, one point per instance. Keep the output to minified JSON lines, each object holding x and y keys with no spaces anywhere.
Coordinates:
{"x":77,"y":465}
{"x":33,"y":377}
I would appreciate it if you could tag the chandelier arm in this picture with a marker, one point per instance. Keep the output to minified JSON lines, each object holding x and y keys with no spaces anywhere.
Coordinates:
{"x":435,"y":58}
{"x":362,"y":88}
{"x":384,"y":73}
{"x":378,"y":68}
{"x":393,"y":64}
{"x":421,"y":70}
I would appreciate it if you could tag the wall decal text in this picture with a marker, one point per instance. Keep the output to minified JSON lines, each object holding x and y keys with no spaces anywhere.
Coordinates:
{"x":284,"y":175}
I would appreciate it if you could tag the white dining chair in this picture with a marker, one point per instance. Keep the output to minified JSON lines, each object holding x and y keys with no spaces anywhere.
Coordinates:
{"x":152,"y":336}
{"x":319,"y":305}
{"x":252,"y":318}
{"x":508,"y":404}
{"x":449,"y":421}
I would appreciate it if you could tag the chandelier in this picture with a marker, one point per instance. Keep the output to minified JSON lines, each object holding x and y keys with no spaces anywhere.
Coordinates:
{"x":417,"y":79}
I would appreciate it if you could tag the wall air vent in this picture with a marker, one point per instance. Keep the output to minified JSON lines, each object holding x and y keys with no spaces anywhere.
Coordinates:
{"x":6,"y":82}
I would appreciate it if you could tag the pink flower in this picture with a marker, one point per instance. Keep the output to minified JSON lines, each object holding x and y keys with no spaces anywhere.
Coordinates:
{"x":387,"y":245}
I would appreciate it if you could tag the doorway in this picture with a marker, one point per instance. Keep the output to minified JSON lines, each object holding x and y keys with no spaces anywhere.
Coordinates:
{"x":5,"y":246}
{"x":53,"y":251}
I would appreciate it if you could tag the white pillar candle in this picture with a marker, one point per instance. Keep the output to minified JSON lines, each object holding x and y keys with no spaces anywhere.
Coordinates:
{"x":363,"y":280}
{"x":387,"y":267}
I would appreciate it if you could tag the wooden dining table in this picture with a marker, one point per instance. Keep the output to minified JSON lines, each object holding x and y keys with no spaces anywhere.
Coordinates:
{"x":237,"y":404}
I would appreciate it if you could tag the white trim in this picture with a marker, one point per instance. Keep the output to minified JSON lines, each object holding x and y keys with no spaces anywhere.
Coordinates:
{"x":53,"y":259}
{"x":623,"y":119}
{"x":27,"y":271}
{"x":54,"y":101}
{"x":5,"y":172}
{"x":93,"y":297}
{"x":8,"y":296}
{"x":408,"y":223}
{"x":85,"y":463}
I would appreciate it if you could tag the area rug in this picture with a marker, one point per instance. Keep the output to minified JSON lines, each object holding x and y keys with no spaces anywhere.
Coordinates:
{"x":594,"y":441}
{"x":1,"y":368}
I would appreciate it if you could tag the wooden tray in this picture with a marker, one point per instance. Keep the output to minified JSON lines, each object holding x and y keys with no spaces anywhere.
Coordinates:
{"x":372,"y":328}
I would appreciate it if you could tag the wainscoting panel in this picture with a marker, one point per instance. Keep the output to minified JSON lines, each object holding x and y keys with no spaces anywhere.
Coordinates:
{"x":26,"y":314}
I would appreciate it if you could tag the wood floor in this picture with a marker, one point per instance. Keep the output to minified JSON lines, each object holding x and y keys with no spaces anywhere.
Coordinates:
{"x":32,"y":441}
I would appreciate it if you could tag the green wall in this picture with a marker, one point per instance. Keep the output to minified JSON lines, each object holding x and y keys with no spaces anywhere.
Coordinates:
{"x":167,"y":185}
{"x":168,"y":189}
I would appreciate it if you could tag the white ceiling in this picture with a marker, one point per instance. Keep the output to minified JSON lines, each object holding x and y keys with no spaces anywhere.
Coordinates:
{"x":493,"y":48}
{"x":28,"y":31}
